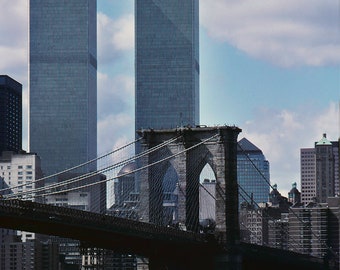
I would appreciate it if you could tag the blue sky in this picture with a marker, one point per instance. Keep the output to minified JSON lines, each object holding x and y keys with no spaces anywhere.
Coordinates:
{"x":270,"y":67}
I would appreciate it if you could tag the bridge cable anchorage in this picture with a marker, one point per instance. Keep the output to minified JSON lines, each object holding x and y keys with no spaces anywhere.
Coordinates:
{"x":84,"y":176}
{"x":292,"y":210}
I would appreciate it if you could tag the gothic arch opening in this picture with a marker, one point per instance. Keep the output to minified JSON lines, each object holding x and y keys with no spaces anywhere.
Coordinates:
{"x":170,"y":196}
{"x":207,"y":199}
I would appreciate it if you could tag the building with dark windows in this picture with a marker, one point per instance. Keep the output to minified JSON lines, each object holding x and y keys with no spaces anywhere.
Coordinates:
{"x":63,"y":92}
{"x":63,"y":82}
{"x":326,"y":160}
{"x":167,"y":63}
{"x":252,"y":173}
{"x":319,"y":167}
{"x":10,"y":114}
{"x":309,"y":229}
{"x":33,"y":254}
{"x":166,"y":75}
{"x":314,"y":229}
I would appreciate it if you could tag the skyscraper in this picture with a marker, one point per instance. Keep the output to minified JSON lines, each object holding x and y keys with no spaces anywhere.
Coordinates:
{"x":10,"y":114}
{"x":320,"y":171}
{"x":307,"y":174}
{"x":167,"y":63}
{"x":63,"y":82}
{"x":252,"y":173}
{"x":325,"y":168}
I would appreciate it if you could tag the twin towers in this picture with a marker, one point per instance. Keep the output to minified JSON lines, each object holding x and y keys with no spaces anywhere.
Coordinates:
{"x":63,"y":74}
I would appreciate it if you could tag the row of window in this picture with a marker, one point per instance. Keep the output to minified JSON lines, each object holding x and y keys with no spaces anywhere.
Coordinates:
{"x":8,"y":167}
{"x":20,"y":173}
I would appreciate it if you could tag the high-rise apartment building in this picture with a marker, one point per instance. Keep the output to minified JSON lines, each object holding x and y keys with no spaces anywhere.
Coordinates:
{"x":252,"y":173}
{"x":33,"y":254}
{"x":18,"y":175}
{"x":308,"y":174}
{"x":167,"y":63}
{"x":63,"y":82}
{"x":10,"y":114}
{"x":319,"y":171}
{"x":308,"y":229}
{"x":278,"y":235}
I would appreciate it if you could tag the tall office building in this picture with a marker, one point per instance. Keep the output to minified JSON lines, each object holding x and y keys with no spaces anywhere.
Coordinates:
{"x":320,"y":171}
{"x":167,"y":63}
{"x":252,"y":173}
{"x":10,"y":114}
{"x":307,"y":174}
{"x":63,"y":82}
{"x":326,"y":153}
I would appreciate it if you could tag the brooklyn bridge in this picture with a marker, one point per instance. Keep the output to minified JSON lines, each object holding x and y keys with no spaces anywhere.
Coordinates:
{"x":170,"y":235}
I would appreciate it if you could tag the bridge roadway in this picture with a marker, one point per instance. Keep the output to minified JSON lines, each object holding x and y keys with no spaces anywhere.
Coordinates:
{"x":104,"y":231}
{"x":166,"y":247}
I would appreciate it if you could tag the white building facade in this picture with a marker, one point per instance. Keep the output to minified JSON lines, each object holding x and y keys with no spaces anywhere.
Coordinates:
{"x":19,"y":174}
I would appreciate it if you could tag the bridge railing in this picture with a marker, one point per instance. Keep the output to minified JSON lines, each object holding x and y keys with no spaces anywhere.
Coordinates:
{"x":53,"y":213}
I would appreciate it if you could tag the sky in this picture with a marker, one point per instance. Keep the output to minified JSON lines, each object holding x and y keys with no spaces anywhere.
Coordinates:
{"x":270,"y":67}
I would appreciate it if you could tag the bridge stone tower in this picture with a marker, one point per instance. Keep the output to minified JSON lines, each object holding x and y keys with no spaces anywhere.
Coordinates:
{"x":193,"y":149}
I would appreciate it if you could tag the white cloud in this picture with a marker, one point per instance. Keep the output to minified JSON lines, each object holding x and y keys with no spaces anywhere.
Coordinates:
{"x":281,"y":135}
{"x":112,"y":129}
{"x":115,"y":110}
{"x":13,"y":48}
{"x":115,"y":90}
{"x":14,"y":39}
{"x":286,"y":33}
{"x":115,"y":94}
{"x":114,"y":36}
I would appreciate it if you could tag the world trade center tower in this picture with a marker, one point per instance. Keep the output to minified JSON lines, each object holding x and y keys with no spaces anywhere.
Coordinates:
{"x":166,"y":63}
{"x":63,"y":82}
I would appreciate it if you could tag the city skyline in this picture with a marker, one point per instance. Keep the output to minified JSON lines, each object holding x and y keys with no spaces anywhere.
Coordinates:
{"x":280,"y":84}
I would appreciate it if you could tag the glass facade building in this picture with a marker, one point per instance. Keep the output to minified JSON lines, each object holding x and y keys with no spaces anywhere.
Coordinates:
{"x":10,"y":114}
{"x":252,"y":173}
{"x":167,"y":63}
{"x":63,"y":82}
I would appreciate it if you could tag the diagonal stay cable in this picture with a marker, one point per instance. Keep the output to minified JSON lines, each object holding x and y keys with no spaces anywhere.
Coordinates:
{"x":75,"y":167}
{"x":131,"y":172}
{"x":90,"y":174}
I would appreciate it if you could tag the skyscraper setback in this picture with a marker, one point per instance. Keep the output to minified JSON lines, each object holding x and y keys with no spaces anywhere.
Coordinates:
{"x":63,"y":82}
{"x":167,"y":63}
